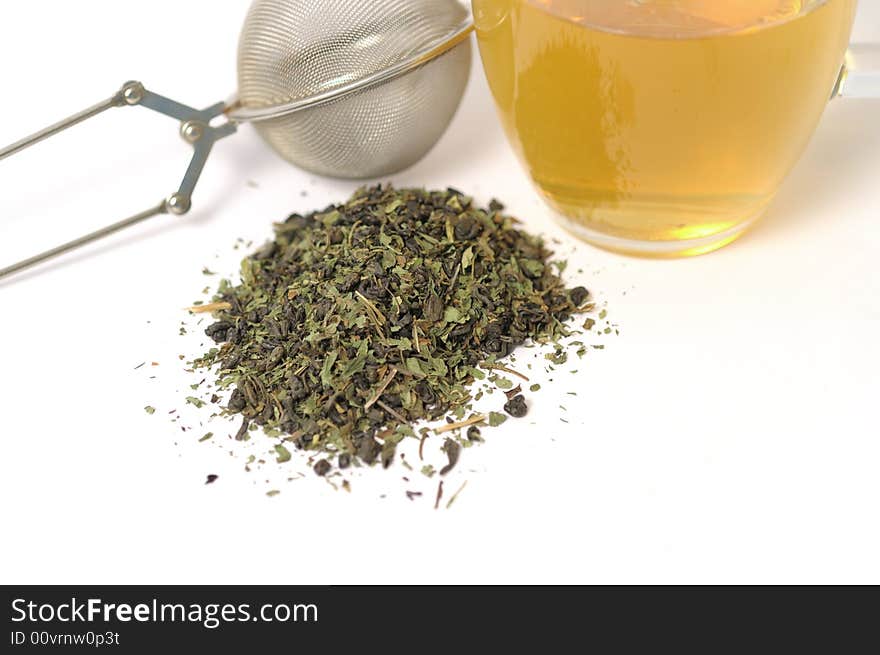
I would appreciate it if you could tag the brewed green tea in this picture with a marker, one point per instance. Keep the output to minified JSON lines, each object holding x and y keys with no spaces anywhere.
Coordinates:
{"x":661,"y":127}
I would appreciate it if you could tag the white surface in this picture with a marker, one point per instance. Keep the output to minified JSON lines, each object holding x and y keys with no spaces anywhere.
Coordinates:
{"x":729,"y":434}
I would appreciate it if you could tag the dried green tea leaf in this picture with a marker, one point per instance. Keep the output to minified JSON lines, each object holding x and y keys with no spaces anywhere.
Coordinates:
{"x":455,"y":495}
{"x":504,"y":383}
{"x":513,"y":392}
{"x":496,"y":419}
{"x":516,"y":406}
{"x":358,"y":320}
{"x":242,"y":434}
{"x":449,"y":427}
{"x":282,"y":454}
{"x":452,"y":450}
{"x":439,"y":495}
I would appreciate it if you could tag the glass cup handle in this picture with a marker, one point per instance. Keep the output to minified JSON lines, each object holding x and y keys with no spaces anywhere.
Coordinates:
{"x":860,"y":75}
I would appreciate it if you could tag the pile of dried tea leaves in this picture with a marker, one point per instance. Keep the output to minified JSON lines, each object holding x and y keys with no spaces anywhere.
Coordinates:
{"x":364,"y":318}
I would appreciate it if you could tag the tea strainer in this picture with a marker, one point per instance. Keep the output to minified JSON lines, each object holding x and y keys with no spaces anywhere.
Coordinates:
{"x":346,"y":88}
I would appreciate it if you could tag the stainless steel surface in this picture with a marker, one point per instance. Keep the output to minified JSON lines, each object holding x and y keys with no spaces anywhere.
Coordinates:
{"x":418,"y":58}
{"x":195,"y":129}
{"x":52,"y":130}
{"x":349,"y":88}
{"x":161,"y":208}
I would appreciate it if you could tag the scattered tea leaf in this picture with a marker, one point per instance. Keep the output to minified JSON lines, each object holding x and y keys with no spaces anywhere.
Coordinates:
{"x":505,"y":369}
{"x":452,"y":450}
{"x":242,"y":434}
{"x":282,"y":454}
{"x":516,"y":406}
{"x":513,"y":392}
{"x":503,"y":383}
{"x":449,"y":427}
{"x":439,"y":495}
{"x":496,"y":419}
{"x":209,"y":307}
{"x":455,"y":495}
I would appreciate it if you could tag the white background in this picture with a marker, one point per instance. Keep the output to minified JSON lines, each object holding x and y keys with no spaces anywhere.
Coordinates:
{"x":729,"y":434}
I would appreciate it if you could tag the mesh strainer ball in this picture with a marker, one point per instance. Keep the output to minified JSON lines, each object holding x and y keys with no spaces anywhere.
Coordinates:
{"x":352,"y":88}
{"x":347,"y":88}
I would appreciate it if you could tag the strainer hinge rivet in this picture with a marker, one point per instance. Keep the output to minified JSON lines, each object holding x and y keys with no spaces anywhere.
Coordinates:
{"x":192,"y":131}
{"x":133,"y":93}
{"x":177,"y":204}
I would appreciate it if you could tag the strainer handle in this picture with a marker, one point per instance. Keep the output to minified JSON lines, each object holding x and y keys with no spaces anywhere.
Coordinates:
{"x":195,"y":128}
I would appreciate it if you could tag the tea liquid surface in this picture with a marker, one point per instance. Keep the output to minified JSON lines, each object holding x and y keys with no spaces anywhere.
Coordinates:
{"x":661,"y":120}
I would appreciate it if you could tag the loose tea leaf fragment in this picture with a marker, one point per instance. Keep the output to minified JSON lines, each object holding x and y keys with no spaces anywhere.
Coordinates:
{"x":452,"y":450}
{"x":516,"y":406}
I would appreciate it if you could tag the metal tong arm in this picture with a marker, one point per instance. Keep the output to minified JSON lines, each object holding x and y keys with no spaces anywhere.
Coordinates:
{"x":195,"y":128}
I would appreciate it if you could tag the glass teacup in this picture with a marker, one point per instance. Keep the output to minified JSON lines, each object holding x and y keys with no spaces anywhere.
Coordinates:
{"x":663,"y":127}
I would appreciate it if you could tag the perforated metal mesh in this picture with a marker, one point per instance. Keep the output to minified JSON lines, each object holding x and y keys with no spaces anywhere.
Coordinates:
{"x":292,"y":50}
